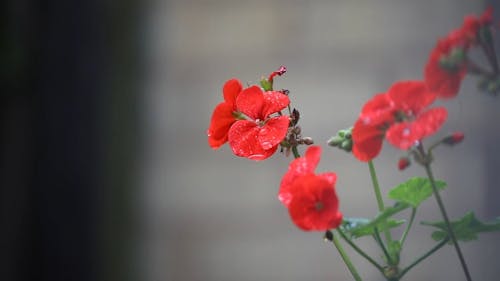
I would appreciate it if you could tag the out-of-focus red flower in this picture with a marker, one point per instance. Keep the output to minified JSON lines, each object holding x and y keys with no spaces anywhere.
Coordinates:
{"x":310,"y":198}
{"x":447,"y":63}
{"x":314,"y":204}
{"x":223,"y":115}
{"x":257,"y":136}
{"x":399,"y":115}
{"x":300,"y":167}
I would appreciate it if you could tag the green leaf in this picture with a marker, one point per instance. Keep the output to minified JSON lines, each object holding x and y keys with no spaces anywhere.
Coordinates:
{"x":266,"y":84}
{"x":465,"y":229}
{"x":359,"y":227}
{"x":414,"y":191}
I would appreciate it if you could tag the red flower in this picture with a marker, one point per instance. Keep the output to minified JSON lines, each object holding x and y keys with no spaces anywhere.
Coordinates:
{"x":445,"y":80}
{"x":310,"y":198}
{"x":257,"y":136}
{"x":447,"y":63}
{"x":314,"y":205}
{"x":300,"y":167}
{"x":398,"y":115}
{"x":223,"y":115}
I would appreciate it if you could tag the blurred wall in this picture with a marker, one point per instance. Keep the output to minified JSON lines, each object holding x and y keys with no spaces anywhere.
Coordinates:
{"x":211,"y":216}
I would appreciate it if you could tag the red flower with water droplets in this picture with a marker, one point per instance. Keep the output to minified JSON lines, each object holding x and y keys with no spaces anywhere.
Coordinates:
{"x":223,"y":114}
{"x":310,"y":198}
{"x":257,"y":136}
{"x":300,"y":167}
{"x":400,"y":116}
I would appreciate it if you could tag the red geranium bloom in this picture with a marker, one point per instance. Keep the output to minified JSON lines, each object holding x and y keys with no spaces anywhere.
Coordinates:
{"x":223,"y":115}
{"x":444,"y":81}
{"x":399,"y":115}
{"x":446,"y":66}
{"x":314,"y":204}
{"x":257,"y":136}
{"x":300,"y":167}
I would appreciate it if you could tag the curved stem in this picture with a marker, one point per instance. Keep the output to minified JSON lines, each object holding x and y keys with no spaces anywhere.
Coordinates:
{"x":347,"y":260}
{"x":359,"y":251}
{"x":378,"y":196}
{"x":408,"y":226}
{"x":451,"y":234}
{"x":423,"y":257}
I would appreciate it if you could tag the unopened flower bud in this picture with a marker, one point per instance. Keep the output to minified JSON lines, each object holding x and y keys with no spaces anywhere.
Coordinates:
{"x":335,"y":141}
{"x":328,"y":236}
{"x":454,"y":138}
{"x":307,"y":141}
{"x":346,"y":145}
{"x":403,"y":163}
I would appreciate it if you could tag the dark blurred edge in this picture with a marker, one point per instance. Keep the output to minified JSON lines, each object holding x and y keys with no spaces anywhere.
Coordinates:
{"x":69,"y":84}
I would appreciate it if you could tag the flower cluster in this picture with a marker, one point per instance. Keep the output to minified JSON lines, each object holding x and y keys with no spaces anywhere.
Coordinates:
{"x":252,"y":122}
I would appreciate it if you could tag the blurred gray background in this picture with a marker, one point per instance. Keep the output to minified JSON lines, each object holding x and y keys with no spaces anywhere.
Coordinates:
{"x":209,"y":215}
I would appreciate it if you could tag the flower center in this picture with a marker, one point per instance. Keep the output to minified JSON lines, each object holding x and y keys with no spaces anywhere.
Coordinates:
{"x":319,"y":206}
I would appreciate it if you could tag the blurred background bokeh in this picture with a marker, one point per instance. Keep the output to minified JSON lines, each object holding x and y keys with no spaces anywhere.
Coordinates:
{"x":105,"y":170}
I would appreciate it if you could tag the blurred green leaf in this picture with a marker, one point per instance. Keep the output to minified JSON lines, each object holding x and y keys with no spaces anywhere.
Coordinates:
{"x":465,"y":229}
{"x":359,"y":227}
{"x":414,"y":191}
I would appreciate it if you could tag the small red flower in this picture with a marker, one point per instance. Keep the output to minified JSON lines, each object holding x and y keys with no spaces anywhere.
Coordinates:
{"x":300,"y":167}
{"x":223,"y":114}
{"x":258,"y":136}
{"x":314,"y":205}
{"x":398,"y":115}
{"x":310,"y":198}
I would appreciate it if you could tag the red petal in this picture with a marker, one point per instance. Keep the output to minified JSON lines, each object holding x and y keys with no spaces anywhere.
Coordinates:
{"x":231,"y":90}
{"x":378,"y":110}
{"x":411,"y":96}
{"x":221,"y":121}
{"x":445,"y":83}
{"x":314,"y":205}
{"x":299,"y":167}
{"x":367,"y":141}
{"x":275,"y":101}
{"x":243,"y":139}
{"x":273,"y":132}
{"x":404,"y":135}
{"x":431,"y":120}
{"x":251,"y":102}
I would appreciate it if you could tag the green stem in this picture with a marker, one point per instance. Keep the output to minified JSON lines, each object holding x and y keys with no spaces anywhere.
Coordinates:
{"x":378,"y":196}
{"x":346,"y":258}
{"x":451,"y":234}
{"x":423,"y":257}
{"x":408,"y":226}
{"x":381,"y":244}
{"x":359,"y":251}
{"x":295,"y":152}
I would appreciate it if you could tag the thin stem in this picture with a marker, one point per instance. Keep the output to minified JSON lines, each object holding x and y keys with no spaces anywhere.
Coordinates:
{"x":381,"y":244}
{"x":359,"y":251}
{"x":408,"y":226}
{"x":423,"y":257}
{"x":378,"y":196}
{"x":451,"y":234}
{"x":295,"y":152}
{"x":345,"y":257}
